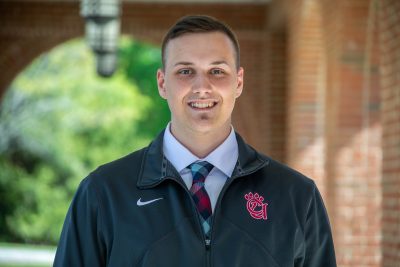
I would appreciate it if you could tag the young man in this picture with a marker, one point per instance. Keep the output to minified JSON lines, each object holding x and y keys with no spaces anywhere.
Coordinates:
{"x":198,"y":195}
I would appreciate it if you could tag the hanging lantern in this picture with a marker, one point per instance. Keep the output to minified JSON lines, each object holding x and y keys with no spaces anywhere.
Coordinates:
{"x":102,"y":31}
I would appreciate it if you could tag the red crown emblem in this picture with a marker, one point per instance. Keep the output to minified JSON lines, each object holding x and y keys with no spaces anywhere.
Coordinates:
{"x":255,"y":206}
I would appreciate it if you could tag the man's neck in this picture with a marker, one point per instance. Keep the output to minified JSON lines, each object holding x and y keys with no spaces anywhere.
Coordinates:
{"x":201,"y":144}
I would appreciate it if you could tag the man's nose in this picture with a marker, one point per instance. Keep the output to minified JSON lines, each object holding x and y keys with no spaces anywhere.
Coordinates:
{"x":201,"y":84}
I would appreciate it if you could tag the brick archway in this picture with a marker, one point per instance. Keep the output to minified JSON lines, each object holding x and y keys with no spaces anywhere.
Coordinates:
{"x":30,"y":28}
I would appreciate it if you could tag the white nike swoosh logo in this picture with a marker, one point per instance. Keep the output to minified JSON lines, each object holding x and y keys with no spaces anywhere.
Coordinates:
{"x":142,"y":203}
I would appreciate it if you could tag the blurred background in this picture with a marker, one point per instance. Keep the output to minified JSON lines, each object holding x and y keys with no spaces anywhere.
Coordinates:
{"x":322,"y":94}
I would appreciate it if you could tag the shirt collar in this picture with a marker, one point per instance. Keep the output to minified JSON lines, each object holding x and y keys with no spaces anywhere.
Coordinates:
{"x":224,"y":157}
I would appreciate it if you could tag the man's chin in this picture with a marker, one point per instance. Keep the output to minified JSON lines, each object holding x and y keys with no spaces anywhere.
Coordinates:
{"x":205,"y":117}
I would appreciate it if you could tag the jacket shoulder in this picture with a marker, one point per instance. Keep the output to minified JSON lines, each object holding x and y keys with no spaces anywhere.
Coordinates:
{"x":125,"y":167}
{"x":274,"y":171}
{"x":287,"y":175}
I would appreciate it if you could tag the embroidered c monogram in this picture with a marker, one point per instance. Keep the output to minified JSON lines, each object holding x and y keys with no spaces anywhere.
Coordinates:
{"x":255,"y":206}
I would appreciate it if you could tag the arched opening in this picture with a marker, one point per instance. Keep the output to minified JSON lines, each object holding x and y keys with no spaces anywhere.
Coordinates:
{"x":59,"y":120}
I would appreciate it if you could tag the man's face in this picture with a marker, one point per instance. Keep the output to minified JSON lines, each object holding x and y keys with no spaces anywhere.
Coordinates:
{"x":201,"y":82}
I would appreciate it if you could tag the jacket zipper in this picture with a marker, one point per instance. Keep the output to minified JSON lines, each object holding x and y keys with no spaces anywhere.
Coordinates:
{"x":208,"y":252}
{"x":207,"y":241}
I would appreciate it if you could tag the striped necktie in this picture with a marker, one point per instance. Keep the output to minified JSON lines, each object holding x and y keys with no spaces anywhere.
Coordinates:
{"x":200,"y":170}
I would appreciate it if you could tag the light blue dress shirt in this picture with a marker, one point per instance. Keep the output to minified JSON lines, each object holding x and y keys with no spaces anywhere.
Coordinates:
{"x":224,"y":159}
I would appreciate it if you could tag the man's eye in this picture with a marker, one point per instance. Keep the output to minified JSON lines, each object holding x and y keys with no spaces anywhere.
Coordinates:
{"x":185,"y":71}
{"x":217,"y":72}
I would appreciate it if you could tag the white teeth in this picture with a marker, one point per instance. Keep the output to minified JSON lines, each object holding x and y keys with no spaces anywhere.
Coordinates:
{"x":202,"y":105}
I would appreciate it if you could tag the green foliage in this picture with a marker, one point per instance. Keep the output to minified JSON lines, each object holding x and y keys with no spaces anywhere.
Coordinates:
{"x":59,"y":120}
{"x":139,"y":61}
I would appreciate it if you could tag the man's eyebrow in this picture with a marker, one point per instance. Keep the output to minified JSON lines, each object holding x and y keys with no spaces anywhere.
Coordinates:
{"x":185,"y":63}
{"x":219,"y":62}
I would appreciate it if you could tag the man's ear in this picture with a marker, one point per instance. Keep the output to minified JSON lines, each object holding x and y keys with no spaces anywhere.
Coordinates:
{"x":161,"y":83}
{"x":240,"y":77}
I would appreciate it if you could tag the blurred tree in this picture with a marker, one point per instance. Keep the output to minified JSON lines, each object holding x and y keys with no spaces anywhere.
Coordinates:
{"x":138,"y":61}
{"x":59,"y":120}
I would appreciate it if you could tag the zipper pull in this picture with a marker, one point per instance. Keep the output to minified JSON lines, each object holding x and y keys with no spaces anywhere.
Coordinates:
{"x":208,"y":243}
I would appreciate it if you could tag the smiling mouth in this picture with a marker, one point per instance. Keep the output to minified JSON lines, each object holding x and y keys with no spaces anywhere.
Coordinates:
{"x":202,"y":105}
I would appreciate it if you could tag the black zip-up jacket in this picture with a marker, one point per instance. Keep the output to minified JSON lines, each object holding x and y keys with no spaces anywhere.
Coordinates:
{"x":136,"y":211}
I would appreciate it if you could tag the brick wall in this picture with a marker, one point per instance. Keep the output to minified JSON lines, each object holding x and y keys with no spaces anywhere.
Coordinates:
{"x":390,"y":79}
{"x":28,"y":29}
{"x":276,"y":73}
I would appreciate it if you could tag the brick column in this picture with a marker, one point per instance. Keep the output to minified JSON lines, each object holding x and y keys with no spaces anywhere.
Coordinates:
{"x":306,"y":94}
{"x":276,"y":73}
{"x":353,"y":131}
{"x":390,"y":81}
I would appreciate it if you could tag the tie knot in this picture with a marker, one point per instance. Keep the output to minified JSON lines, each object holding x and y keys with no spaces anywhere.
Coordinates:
{"x":200,"y":170}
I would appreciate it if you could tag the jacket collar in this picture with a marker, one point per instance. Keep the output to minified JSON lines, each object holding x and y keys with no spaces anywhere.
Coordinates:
{"x":156,"y":168}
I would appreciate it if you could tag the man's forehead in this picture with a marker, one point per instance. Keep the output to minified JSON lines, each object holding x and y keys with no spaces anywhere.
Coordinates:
{"x":196,"y":37}
{"x":198,"y":42}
